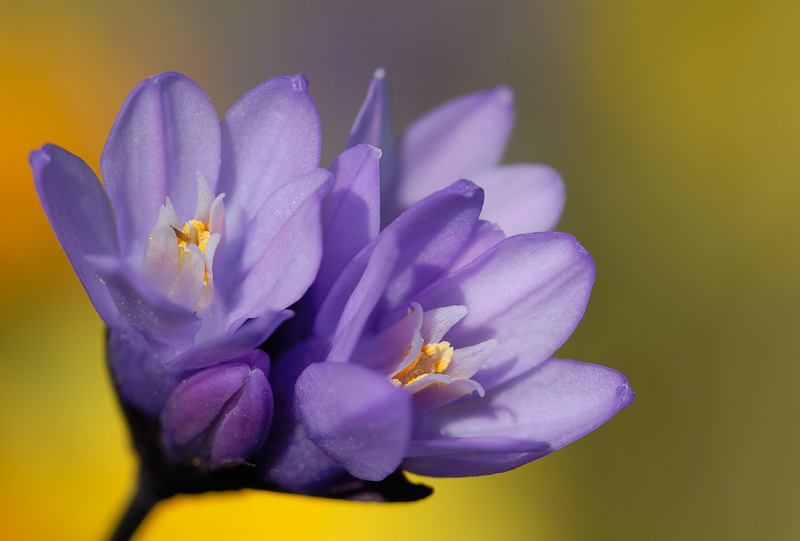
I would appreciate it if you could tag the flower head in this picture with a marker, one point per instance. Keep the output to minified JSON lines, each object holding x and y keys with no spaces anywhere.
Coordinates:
{"x":428,"y":345}
{"x":425,"y":345}
{"x":201,"y":236}
{"x":428,"y":357}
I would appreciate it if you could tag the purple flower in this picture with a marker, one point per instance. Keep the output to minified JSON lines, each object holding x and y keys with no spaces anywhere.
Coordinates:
{"x":463,"y":138}
{"x":425,"y":346}
{"x":428,"y":345}
{"x":201,"y":236}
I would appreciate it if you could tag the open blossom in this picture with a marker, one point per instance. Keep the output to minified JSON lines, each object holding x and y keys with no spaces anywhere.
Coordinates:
{"x":426,"y":357}
{"x":200,"y":238}
{"x":428,"y":345}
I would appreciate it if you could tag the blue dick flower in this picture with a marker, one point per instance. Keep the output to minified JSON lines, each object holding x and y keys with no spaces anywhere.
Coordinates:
{"x":201,"y":236}
{"x":279,"y":326}
{"x":427,"y":346}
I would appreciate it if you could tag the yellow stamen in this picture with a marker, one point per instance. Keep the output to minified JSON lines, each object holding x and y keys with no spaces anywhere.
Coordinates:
{"x":192,"y":232}
{"x":432,"y":359}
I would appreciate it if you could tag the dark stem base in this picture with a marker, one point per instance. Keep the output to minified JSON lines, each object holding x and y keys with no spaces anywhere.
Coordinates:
{"x":141,"y":504}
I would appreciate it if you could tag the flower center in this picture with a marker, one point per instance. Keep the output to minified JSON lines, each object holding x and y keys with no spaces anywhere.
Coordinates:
{"x":178,"y":261}
{"x":432,"y":359}
{"x":192,"y":232}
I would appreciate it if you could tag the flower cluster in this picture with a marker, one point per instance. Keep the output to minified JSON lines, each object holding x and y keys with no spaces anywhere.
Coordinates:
{"x":278,"y":325}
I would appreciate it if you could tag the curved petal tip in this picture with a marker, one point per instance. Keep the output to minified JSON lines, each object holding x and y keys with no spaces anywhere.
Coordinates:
{"x":299,"y":83}
{"x":39,"y":158}
{"x":503,"y":94}
{"x":625,"y":394}
{"x":466,"y":188}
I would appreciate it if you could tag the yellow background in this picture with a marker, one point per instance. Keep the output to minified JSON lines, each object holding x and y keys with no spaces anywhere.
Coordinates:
{"x":676,"y":125}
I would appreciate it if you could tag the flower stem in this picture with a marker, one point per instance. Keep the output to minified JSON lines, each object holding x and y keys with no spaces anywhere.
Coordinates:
{"x":142,"y":502}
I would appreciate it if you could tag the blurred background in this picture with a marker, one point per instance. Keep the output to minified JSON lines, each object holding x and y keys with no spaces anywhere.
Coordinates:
{"x":676,"y":126}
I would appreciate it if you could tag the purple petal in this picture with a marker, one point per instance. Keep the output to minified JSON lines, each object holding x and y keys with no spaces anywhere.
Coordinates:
{"x":484,"y":236}
{"x":166,"y":132}
{"x":274,"y":214}
{"x":80,"y":215}
{"x":271,"y":136}
{"x":427,"y":238}
{"x":343,"y":316}
{"x":484,"y":457}
{"x":147,"y":311}
{"x":137,"y":366}
{"x":373,"y":122}
{"x":394,"y":347}
{"x":289,"y":224}
{"x":350,"y":213}
{"x":529,"y":292}
{"x":456,"y":140}
{"x":523,"y":197}
{"x":471,"y":446}
{"x":223,"y":346}
{"x":355,"y":415}
{"x":548,"y":407}
{"x":430,"y":236}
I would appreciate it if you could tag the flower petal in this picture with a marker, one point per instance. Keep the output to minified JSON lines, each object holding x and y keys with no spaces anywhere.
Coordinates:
{"x":271,"y":136}
{"x":254,"y":241}
{"x":342,"y":317}
{"x":434,"y":397}
{"x":438,"y":321}
{"x":355,"y":415}
{"x":166,"y":132}
{"x":80,"y":215}
{"x":468,"y":360}
{"x":471,"y":446}
{"x":284,"y":243}
{"x":372,"y":125}
{"x":529,"y":292}
{"x":393,"y":348}
{"x":161,"y":256}
{"x":221,"y":347}
{"x":350,"y":213}
{"x":430,"y":236}
{"x":424,"y":241}
{"x":522,"y":197}
{"x":147,"y":311}
{"x":464,"y":136}
{"x":205,"y":198}
{"x":138,"y":368}
{"x":550,"y":406}
{"x":188,"y":285}
{"x":484,"y":236}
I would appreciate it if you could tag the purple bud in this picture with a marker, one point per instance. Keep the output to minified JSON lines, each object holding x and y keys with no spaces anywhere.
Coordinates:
{"x":220,"y":414}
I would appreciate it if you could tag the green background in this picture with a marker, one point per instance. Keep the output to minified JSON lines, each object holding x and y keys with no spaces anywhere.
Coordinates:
{"x":676,"y":125}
